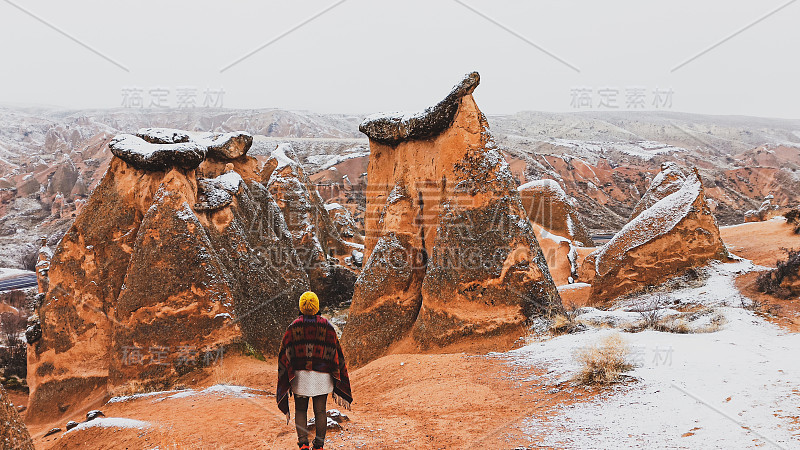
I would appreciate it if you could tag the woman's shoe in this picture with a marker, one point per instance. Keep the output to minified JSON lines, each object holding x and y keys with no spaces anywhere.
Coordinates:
{"x":304,"y":446}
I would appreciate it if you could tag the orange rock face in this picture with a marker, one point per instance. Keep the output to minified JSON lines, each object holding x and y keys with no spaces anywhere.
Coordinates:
{"x":449,"y":252}
{"x":676,"y":233}
{"x":162,"y":270}
{"x":557,"y":226}
{"x":13,"y":433}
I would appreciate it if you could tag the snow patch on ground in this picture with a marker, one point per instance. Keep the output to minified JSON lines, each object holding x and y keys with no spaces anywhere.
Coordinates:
{"x":568,"y":287}
{"x":733,"y":388}
{"x":225,"y":390}
{"x":126,"y":398}
{"x":112,"y":422}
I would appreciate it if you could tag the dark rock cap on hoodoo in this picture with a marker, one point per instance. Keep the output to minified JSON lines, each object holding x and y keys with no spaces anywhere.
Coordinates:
{"x":154,"y":157}
{"x":222,"y":146}
{"x":155,"y":149}
{"x":394,"y":128}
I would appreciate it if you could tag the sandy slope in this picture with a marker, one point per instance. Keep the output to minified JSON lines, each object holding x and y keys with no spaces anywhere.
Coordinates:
{"x":761,"y":242}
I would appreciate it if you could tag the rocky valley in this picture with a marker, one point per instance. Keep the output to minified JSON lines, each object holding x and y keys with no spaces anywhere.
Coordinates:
{"x":514,"y":281}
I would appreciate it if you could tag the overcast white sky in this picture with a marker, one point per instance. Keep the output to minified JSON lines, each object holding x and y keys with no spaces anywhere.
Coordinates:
{"x":364,"y":56}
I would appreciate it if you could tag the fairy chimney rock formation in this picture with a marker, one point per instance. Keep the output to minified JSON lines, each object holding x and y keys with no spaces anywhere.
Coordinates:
{"x":558,"y":227}
{"x":668,"y":181}
{"x":179,"y":252}
{"x":676,"y":233}
{"x":449,"y":251}
{"x":316,"y":239}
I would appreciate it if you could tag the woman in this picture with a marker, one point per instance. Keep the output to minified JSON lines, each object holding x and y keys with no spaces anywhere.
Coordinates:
{"x":311,"y":365}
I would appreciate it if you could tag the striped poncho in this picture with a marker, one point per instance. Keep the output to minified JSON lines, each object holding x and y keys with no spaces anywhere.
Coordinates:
{"x":310,"y":343}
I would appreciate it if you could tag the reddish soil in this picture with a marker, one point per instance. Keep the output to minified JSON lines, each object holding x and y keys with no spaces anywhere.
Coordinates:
{"x":762,"y":243}
{"x":401,"y":401}
{"x":782,"y":312}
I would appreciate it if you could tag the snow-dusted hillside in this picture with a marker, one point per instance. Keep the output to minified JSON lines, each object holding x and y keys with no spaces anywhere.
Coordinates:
{"x":604,"y":160}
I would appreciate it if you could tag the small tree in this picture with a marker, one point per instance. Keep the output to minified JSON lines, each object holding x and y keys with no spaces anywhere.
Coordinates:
{"x":793,"y":218}
{"x":651,"y":309}
{"x":12,"y":326}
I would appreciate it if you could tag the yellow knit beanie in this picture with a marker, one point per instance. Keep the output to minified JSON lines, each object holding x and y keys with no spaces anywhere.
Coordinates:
{"x":309,"y":303}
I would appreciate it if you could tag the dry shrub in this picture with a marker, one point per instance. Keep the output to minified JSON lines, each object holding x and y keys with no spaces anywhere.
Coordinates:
{"x":674,"y":325}
{"x":604,"y":363}
{"x":713,"y":326}
{"x":793,"y":218}
{"x":651,"y":309}
{"x":134,"y":387}
{"x":763,"y":308}
{"x":771,"y":282}
{"x":564,"y":322}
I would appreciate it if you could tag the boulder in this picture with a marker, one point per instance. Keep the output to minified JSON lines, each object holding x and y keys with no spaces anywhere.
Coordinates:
{"x":334,"y":420}
{"x":94,"y":414}
{"x":344,"y":223}
{"x":449,"y":253}
{"x":163,"y":135}
{"x":222,"y":146}
{"x":675,"y":234}
{"x":155,"y":275}
{"x":764,"y":212}
{"x":13,"y":433}
{"x":227,"y":146}
{"x":64,"y":178}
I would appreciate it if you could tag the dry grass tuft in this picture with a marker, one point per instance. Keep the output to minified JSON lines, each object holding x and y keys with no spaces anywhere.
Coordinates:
{"x":565,"y":322}
{"x":604,"y":363}
{"x":138,"y":387}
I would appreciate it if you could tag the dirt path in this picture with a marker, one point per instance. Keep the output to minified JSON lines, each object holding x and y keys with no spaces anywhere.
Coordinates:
{"x":402,"y":402}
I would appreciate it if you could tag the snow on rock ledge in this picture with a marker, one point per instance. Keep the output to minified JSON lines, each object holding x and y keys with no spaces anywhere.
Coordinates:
{"x":668,"y":181}
{"x":144,"y":155}
{"x":216,"y":193}
{"x":228,"y":145}
{"x":163,"y":135}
